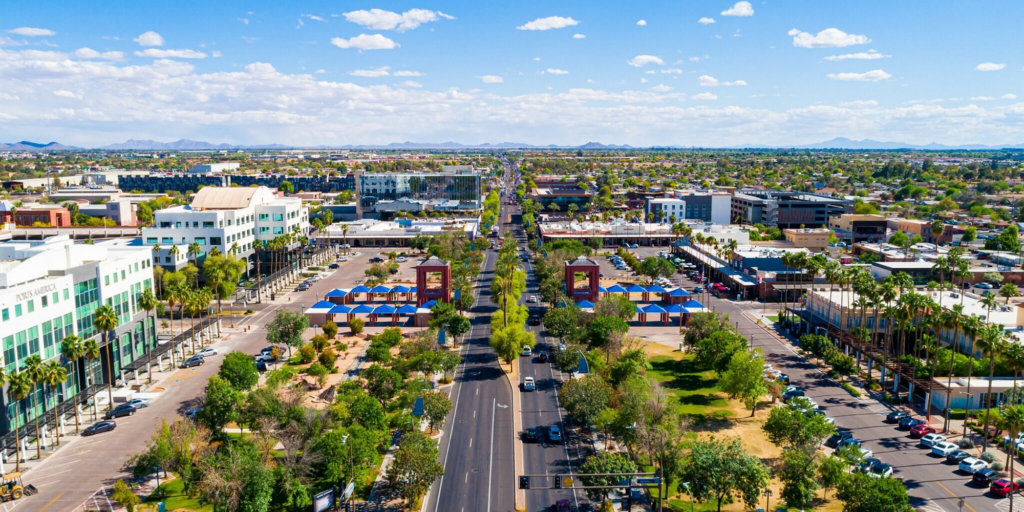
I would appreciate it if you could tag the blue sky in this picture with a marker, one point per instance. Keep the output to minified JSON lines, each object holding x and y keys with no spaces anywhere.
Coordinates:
{"x":675,"y":72}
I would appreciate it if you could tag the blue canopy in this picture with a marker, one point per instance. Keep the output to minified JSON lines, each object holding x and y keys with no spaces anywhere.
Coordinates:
{"x":653,"y":308}
{"x":602,"y":289}
{"x":429,"y":304}
{"x":674,"y":308}
{"x":616,"y":289}
{"x":400,"y":289}
{"x":380,"y":289}
{"x":360,"y":289}
{"x":336,"y":293}
{"x":322,"y":305}
{"x":458,"y":294}
{"x":585,"y":304}
{"x":655,"y":289}
{"x":340,"y":309}
{"x":407,"y":309}
{"x":442,"y":338}
{"x":384,"y":309}
{"x":362,"y":308}
{"x":638,"y":310}
{"x":635,"y":289}
{"x":413,"y":289}
{"x":692,"y":304}
{"x":679,"y":292}
{"x":417,"y":407}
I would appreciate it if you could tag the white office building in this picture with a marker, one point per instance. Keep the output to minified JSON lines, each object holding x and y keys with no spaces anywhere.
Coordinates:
{"x":50,"y":289}
{"x":214,"y":168}
{"x":230,"y":219}
{"x":666,"y":208}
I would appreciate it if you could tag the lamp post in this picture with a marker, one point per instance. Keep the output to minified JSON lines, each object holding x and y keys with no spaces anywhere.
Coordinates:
{"x":767,"y":498}
{"x":687,"y":486}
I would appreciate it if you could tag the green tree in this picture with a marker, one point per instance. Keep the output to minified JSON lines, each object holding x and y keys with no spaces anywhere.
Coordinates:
{"x":508,"y":343}
{"x":239,"y":369}
{"x":843,"y":365}
{"x":382,"y":383}
{"x":414,"y":467}
{"x":562,"y":322}
{"x":378,"y":352}
{"x":54,"y":374}
{"x":19,"y":386}
{"x":716,"y":351}
{"x":799,"y":481}
{"x":436,"y":407}
{"x":368,"y":412}
{"x":744,"y":379}
{"x":318,"y":372}
{"x":583,"y":399}
{"x":356,"y":325}
{"x":605,"y":462}
{"x":831,"y":472}
{"x":286,"y":187}
{"x":307,"y":354}
{"x":788,"y":426}
{"x":287,"y":328}
{"x":602,"y":330}
{"x":105,"y":320}
{"x":220,"y":405}
{"x":72,"y":348}
{"x":124,"y":496}
{"x":862,"y":493}
{"x":222,"y":272}
{"x":703,"y":325}
{"x":654,"y":267}
{"x":35,"y":370}
{"x":718,"y":470}
{"x":970,"y":235}
{"x":330,"y":330}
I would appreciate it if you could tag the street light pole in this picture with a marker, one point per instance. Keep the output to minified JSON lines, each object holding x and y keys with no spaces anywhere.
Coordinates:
{"x":767,"y":499}
{"x":687,"y":486}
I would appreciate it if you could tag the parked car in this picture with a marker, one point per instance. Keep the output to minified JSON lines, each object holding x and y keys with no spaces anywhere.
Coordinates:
{"x":838,"y":437}
{"x":944,"y":448}
{"x":866,"y":466}
{"x":921,"y":430}
{"x":698,"y":289}
{"x":343,"y":259}
{"x":562,"y":506}
{"x":880,"y":471}
{"x":531,"y":435}
{"x":534,"y":319}
{"x":909,"y":423}
{"x":376,"y":259}
{"x":983,"y":286}
{"x":192,"y":413}
{"x":930,"y":440}
{"x":783,"y":378}
{"x":139,"y":403}
{"x":207,"y":352}
{"x":985,"y":476}
{"x":529,"y":384}
{"x":957,"y":456}
{"x":527,"y":351}
{"x":849,"y":442}
{"x":401,"y":259}
{"x":303,"y":287}
{"x":554,"y":434}
{"x":261,"y":366}
{"x":532,"y":299}
{"x":333,"y":266}
{"x":100,"y":427}
{"x":791,"y":394}
{"x":119,"y":411}
{"x":896,"y":416}
{"x":1003,"y":487}
{"x":972,"y":465}
{"x":193,"y":361}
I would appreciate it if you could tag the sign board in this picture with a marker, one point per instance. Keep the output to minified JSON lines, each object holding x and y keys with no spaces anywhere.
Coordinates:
{"x":650,"y":480}
{"x":417,"y":408}
{"x":347,"y":493}
{"x":567,"y":482}
{"x":324,"y":501}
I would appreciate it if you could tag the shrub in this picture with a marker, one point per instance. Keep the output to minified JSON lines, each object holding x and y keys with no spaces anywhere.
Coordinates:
{"x":998,"y":466}
{"x":319,"y":342}
{"x":328,"y":357}
{"x":343,"y":347}
{"x":307,"y":353}
{"x":852,"y":390}
{"x":357,"y":325}
{"x":318,"y":371}
{"x":988,"y":457}
{"x":966,"y":443}
{"x":330,"y":330}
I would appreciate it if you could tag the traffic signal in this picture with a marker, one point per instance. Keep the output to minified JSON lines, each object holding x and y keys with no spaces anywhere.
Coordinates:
{"x":524,"y":482}
{"x":558,"y":482}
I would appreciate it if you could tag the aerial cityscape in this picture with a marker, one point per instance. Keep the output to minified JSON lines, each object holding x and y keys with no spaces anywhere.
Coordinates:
{"x":700,"y":256}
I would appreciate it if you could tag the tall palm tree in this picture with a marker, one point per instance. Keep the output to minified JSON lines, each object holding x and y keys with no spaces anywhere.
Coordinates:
{"x":220,"y":274}
{"x":19,"y":386}
{"x":34,"y":370}
{"x":1013,"y":358}
{"x":72,"y":349}
{"x":1013,"y":421}
{"x":953,"y":320}
{"x":886,"y":294}
{"x":54,"y":374}
{"x":173,"y":253}
{"x":148,"y":303}
{"x":344,"y":234}
{"x":194,"y":249}
{"x":991,"y":342}
{"x":972,"y":328}
{"x":1007,"y":291}
{"x":91,"y":352}
{"x":105,"y":320}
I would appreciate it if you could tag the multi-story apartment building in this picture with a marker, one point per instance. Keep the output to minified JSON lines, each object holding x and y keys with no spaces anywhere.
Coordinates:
{"x":189,"y":182}
{"x":231,"y":219}
{"x":50,"y":289}
{"x":786,"y":209}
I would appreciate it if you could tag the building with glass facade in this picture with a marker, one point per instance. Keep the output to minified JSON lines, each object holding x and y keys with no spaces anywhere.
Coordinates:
{"x":464,"y":187}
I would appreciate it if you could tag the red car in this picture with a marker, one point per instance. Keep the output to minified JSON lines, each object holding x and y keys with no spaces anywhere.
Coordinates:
{"x":563,"y":506}
{"x":1004,"y":487}
{"x":922,"y":430}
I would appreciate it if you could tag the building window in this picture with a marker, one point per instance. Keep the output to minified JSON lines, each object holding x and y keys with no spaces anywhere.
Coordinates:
{"x":201,"y":240}
{"x":278,"y":217}
{"x":31,"y":306}
{"x":167,"y":240}
{"x":151,"y":240}
{"x":264,"y":216}
{"x":278,"y":231}
{"x":215,"y":240}
{"x":207,"y":224}
{"x":45,"y":301}
{"x":6,"y":314}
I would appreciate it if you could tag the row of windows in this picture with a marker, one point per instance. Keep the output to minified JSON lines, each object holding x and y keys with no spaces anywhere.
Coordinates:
{"x":30,"y":305}
{"x":25,"y":343}
{"x":207,"y":223}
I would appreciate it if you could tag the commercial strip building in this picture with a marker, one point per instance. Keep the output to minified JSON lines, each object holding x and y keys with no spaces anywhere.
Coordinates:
{"x":214,"y":168}
{"x":49,"y":290}
{"x":230,"y":219}
{"x":786,"y":209}
{"x":614,"y":233}
{"x":554,"y":191}
{"x":396,"y":233}
{"x":45,"y":214}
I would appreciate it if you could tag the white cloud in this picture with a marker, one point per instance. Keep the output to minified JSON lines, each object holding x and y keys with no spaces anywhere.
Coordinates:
{"x":982,"y":98}
{"x":1009,"y":96}
{"x":579,"y":36}
{"x":536,"y":59}
{"x":553,"y":71}
{"x":170,"y":54}
{"x":859,"y":103}
{"x":670,"y":71}
{"x":989,"y":66}
{"x":737,"y":83}
{"x":365,"y":42}
{"x":149,"y":39}
{"x":319,"y":71}
{"x":67,"y":94}
{"x":371,"y":73}
{"x":492,"y":79}
{"x":643,"y":80}
{"x":641,"y":23}
{"x":551,"y":22}
{"x":379,"y":19}
{"x":410,"y":83}
{"x":244,"y":21}
{"x":739,"y":9}
{"x":409,"y":73}
{"x":642,"y":60}
{"x":828,"y":38}
{"x":870,"y":76}
{"x":706,"y":21}
{"x":32,"y":32}
{"x":707,"y":81}
{"x":661,"y":88}
{"x":216,"y":54}
{"x":89,"y":53}
{"x":314,"y":17}
{"x":694,"y":59}
{"x":705,"y":96}
{"x":868,"y":55}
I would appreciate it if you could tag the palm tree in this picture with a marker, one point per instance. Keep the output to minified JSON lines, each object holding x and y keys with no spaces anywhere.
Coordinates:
{"x":173,"y":253}
{"x":148,"y":303}
{"x":194,"y":249}
{"x":1008,"y":290}
{"x":991,"y":342}
{"x":1013,"y":421}
{"x":972,"y":328}
{"x":952,"y":319}
{"x":1013,"y":358}
{"x":344,"y":234}
{"x":34,"y":370}
{"x":105,"y":320}
{"x":221,"y":271}
{"x":72,"y":349}
{"x":91,"y":351}
{"x":937,"y":227}
{"x":54,"y":374}
{"x":19,"y":386}
{"x":886,"y":294}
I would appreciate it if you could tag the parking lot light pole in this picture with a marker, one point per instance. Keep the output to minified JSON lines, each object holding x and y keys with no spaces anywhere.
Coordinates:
{"x":767,"y":499}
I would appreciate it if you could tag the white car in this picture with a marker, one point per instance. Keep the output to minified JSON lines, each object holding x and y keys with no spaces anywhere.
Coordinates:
{"x":343,"y":258}
{"x":970,"y":465}
{"x":880,"y":471}
{"x":866,"y":452}
{"x":944,"y":448}
{"x":208,"y":351}
{"x":527,"y":351}
{"x":533,"y":298}
{"x":401,"y":259}
{"x":931,"y":440}
{"x":528,"y":384}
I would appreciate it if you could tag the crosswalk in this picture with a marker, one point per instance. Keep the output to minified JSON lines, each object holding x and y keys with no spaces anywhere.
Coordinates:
{"x":929,"y":506}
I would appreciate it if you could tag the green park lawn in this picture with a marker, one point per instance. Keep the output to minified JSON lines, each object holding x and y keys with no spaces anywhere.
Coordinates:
{"x":696,"y":391}
{"x":174,"y":498}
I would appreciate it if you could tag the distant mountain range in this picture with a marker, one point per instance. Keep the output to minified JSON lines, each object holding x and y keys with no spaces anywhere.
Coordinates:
{"x":194,"y":145}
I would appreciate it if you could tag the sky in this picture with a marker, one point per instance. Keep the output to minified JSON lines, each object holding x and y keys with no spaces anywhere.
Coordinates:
{"x":658,"y":72}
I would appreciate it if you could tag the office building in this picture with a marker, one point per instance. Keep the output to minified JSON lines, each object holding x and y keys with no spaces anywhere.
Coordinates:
{"x":122,"y":212}
{"x":554,"y":194}
{"x":53,"y":215}
{"x":856,"y":228}
{"x":184,"y":183}
{"x":713,"y":208}
{"x":786,"y":209}
{"x":214,"y":168}
{"x":50,"y":289}
{"x":466,"y":188}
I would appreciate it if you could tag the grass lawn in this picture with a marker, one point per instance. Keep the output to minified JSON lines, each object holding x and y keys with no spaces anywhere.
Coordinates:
{"x":174,"y":498}
{"x":773,"y":318}
{"x":696,"y":390}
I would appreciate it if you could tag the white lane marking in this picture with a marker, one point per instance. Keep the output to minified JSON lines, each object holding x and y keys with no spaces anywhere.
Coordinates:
{"x":490,"y":463}
{"x":466,"y":480}
{"x":565,"y":445}
{"x":471,"y":442}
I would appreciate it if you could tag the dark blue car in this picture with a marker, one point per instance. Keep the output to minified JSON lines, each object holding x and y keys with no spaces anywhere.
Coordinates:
{"x":909,"y":423}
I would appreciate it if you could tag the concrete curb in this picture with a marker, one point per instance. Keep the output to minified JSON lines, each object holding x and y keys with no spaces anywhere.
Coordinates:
{"x":517,"y":441}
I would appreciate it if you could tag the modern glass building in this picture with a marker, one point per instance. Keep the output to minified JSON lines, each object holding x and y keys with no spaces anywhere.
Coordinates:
{"x":466,"y":188}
